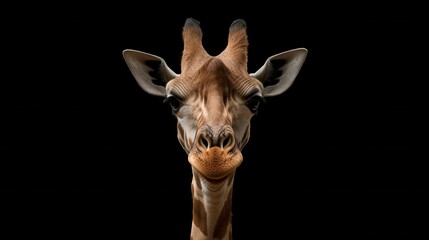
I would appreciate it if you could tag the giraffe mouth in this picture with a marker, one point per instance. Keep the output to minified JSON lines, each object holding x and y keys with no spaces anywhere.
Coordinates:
{"x":215,"y":164}
{"x":212,"y":184}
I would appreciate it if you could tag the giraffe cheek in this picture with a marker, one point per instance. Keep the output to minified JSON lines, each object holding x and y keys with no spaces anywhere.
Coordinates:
{"x":215,"y":163}
{"x":184,"y":136}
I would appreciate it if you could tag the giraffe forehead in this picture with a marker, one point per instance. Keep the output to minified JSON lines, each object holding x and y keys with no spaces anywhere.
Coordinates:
{"x":214,"y":78}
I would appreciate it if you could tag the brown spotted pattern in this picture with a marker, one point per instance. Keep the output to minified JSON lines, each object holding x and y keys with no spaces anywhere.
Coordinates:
{"x":199,"y":216}
{"x":224,"y":219}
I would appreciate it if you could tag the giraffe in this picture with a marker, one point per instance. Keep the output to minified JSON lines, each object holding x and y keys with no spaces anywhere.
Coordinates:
{"x":214,"y":99}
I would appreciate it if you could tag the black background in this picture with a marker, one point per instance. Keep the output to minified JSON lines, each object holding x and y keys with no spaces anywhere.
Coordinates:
{"x":85,"y":151}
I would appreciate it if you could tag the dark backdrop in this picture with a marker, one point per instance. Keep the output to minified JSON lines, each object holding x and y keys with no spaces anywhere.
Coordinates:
{"x":85,"y":151}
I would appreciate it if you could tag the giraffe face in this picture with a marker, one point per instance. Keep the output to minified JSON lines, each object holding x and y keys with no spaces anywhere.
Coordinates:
{"x":214,"y":106}
{"x":214,"y":97}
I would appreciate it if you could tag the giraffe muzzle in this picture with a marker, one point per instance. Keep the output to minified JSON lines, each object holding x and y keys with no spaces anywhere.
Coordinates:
{"x":215,"y":154}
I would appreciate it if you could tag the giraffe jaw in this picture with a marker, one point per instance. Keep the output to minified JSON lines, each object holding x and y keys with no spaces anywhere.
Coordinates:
{"x":212,"y":185}
{"x":215,"y":163}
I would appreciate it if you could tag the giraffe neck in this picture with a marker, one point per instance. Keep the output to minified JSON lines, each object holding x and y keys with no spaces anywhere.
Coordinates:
{"x":212,"y":203}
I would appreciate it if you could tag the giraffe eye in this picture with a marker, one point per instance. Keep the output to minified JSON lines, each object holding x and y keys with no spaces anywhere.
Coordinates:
{"x":174,"y":102}
{"x":253,"y":103}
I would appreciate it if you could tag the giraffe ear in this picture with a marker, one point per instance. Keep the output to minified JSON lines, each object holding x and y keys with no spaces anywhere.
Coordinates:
{"x":280,"y":70}
{"x":150,"y":71}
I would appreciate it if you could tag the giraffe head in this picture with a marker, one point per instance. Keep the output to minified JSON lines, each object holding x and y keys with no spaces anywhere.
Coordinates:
{"x":214,"y":97}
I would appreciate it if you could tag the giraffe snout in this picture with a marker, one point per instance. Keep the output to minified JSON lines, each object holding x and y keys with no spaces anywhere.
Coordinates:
{"x":207,"y":138}
{"x":215,"y":154}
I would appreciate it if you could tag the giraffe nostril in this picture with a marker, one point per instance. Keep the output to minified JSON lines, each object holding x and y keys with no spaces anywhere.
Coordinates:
{"x":204,"y":141}
{"x":227,"y":141}
{"x":224,"y":139}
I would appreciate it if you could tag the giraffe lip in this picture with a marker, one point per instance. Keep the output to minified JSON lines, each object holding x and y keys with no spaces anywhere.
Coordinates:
{"x":215,"y":164}
{"x":212,"y":177}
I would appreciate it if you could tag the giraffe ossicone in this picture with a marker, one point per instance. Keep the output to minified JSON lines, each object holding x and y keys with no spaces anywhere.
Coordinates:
{"x":214,"y":99}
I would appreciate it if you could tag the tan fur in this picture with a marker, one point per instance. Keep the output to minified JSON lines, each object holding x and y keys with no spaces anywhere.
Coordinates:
{"x":194,"y":53}
{"x":235,"y":54}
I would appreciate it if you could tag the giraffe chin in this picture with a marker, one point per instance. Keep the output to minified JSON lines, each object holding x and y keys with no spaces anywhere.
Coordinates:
{"x":215,"y":164}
